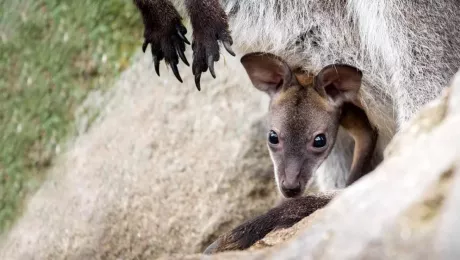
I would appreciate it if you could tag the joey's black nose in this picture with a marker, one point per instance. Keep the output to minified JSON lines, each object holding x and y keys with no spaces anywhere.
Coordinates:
{"x":291,"y":189}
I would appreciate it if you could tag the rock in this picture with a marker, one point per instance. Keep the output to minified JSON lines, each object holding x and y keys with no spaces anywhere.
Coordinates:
{"x":165,"y":169}
{"x":407,"y":208}
{"x":136,"y":185}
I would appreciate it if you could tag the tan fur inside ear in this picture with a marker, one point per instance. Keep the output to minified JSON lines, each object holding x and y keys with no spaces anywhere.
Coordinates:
{"x":347,"y":78}
{"x":266,"y":71}
{"x":339,"y":83}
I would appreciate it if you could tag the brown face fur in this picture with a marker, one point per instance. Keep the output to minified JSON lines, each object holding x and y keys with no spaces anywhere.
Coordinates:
{"x":302,"y":108}
{"x":297,"y":115}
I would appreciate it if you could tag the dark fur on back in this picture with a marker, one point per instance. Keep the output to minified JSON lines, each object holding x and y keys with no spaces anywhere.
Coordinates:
{"x":283,"y":216}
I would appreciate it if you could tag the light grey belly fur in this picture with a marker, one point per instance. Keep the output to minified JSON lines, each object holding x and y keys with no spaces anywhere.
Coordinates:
{"x":407,"y":50}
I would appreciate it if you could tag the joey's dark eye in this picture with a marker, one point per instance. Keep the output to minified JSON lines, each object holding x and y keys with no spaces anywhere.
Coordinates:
{"x":273,"y":137}
{"x":320,"y":141}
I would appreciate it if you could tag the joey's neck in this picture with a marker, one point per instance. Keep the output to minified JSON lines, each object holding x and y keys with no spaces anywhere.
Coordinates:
{"x":362,"y":156}
{"x":357,"y":124}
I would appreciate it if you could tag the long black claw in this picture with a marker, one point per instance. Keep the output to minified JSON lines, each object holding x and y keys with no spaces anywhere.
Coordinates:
{"x":156,"y":62}
{"x":228,"y":48}
{"x":180,"y":28}
{"x":176,"y":72}
{"x":144,"y":46}
{"x":182,"y":56}
{"x":211,"y":66}
{"x":182,"y":37}
{"x":197,"y":81}
{"x":181,"y":33}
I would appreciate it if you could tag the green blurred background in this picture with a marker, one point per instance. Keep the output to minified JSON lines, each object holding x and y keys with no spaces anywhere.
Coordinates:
{"x":52,"y":54}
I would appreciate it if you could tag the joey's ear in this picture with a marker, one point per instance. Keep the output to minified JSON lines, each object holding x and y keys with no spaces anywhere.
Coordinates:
{"x":339,"y":83}
{"x":268,"y":73}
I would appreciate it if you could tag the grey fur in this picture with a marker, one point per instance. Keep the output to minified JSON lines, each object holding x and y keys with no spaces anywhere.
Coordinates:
{"x":407,"y":51}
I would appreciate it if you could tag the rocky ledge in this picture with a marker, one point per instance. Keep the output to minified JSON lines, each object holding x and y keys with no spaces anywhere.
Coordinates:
{"x":165,"y":169}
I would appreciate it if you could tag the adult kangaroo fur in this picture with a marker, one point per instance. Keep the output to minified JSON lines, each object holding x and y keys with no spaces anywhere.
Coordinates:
{"x":407,"y":51}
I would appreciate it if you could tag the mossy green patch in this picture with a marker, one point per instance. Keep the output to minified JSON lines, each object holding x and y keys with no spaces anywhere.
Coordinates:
{"x":52,"y":54}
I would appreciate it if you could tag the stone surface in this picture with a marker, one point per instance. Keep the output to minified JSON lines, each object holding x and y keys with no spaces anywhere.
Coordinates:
{"x":164,"y":170}
{"x":408,"y":208}
{"x":151,"y":180}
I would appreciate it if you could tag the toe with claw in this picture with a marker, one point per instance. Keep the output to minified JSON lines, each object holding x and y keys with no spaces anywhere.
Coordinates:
{"x":206,"y":53}
{"x":168,"y":44}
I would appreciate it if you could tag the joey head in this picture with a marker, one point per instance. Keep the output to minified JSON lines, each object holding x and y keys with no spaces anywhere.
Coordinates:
{"x":305,"y":113}
{"x":304,"y":117}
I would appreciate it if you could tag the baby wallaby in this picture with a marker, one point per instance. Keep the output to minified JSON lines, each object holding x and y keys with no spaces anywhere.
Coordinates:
{"x":305,"y":113}
{"x":304,"y":117}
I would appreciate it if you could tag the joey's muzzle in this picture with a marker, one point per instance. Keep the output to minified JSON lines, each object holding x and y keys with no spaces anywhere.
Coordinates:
{"x":291,"y":189}
{"x":292,"y":177}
